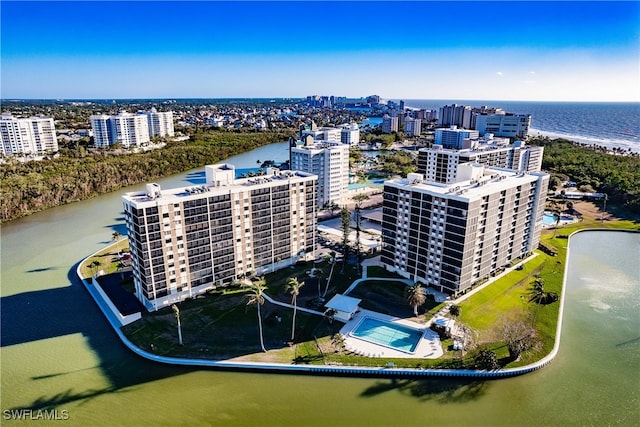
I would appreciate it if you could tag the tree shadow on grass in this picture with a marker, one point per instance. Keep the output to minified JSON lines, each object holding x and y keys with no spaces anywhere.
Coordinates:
{"x":441,"y":390}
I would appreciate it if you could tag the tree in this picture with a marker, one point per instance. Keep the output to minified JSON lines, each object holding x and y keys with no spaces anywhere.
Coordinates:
{"x":176,"y":311}
{"x":358,"y":198}
{"x":333,"y":264}
{"x":121,"y":265}
{"x":256,"y":297}
{"x":519,"y":337}
{"x":115,"y":236}
{"x":454,"y":310}
{"x":293,"y":287}
{"x":345,"y":220}
{"x":332,"y":207}
{"x":415,"y":297}
{"x":94,"y":265}
{"x":570,"y":206}
{"x":486,"y":360}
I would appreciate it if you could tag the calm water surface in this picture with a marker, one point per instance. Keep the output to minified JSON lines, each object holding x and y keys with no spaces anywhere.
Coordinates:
{"x":57,"y":351}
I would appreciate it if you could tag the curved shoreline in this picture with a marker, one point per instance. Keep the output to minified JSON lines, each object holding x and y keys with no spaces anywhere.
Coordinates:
{"x":358,"y":371}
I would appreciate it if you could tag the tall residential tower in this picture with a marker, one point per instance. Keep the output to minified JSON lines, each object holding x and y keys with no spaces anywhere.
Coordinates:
{"x":186,"y":240}
{"x":450,"y":236}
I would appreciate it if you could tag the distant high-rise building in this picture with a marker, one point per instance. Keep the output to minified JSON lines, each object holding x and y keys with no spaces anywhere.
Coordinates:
{"x":329,"y":160}
{"x":507,"y":125}
{"x":389,"y":124}
{"x":453,"y":137}
{"x":185,"y":241}
{"x":455,"y":115}
{"x":413,"y":127}
{"x":324,"y":133}
{"x":373,"y":99}
{"x":35,"y":135}
{"x":160,"y":123}
{"x":350,"y":134}
{"x":125,"y":128}
{"x":450,"y":236}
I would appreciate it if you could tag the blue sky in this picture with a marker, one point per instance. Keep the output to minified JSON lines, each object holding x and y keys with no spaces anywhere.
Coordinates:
{"x":508,"y":50}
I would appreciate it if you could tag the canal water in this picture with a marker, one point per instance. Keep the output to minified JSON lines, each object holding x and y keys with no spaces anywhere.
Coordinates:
{"x":58,"y":352}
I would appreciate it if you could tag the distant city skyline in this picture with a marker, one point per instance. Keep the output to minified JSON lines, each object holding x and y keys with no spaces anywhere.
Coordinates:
{"x":529,"y":51}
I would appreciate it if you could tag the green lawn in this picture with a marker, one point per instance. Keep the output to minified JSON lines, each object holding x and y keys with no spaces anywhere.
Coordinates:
{"x":220,"y":325}
{"x":107,"y":258}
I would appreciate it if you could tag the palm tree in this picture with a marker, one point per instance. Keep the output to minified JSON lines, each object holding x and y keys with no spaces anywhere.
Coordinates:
{"x":293,"y":287}
{"x":115,"y":236}
{"x":333,"y":264}
{"x":94,"y":266}
{"x":121,"y":265}
{"x":345,"y":220}
{"x":176,"y":310}
{"x":358,"y":198}
{"x":256,"y":289}
{"x":415,"y":297}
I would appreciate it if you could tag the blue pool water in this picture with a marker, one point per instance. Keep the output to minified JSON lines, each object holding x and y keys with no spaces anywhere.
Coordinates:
{"x":355,"y":186}
{"x":388,"y":334}
{"x":549,"y":219}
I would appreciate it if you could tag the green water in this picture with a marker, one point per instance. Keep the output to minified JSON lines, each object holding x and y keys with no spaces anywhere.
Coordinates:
{"x":57,"y":351}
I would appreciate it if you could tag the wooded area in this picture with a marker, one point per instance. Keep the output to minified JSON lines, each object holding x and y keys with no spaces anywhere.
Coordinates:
{"x":618,"y":176}
{"x":79,"y":174}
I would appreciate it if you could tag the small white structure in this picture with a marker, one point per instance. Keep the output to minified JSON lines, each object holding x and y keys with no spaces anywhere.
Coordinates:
{"x":344,"y":306}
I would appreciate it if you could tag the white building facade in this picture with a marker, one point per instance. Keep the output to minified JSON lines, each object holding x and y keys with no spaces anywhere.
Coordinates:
{"x":131,"y":130}
{"x":451,"y":236}
{"x":30,"y":136}
{"x":389,"y":124}
{"x":329,"y":161}
{"x":185,"y":241}
{"x":507,"y":125}
{"x":412,"y":127}
{"x":454,"y":137}
{"x":438,"y":164}
{"x":350,"y":134}
{"x":160,"y":123}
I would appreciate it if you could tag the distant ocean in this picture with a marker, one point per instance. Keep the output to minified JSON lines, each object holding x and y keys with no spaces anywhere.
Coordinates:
{"x":610,"y":124}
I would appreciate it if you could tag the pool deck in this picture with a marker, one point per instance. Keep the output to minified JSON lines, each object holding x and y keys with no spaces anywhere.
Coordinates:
{"x":429,"y":346}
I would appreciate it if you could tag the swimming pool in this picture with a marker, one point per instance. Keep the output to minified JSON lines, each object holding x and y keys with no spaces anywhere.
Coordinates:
{"x":397,"y":337}
{"x":550,"y":219}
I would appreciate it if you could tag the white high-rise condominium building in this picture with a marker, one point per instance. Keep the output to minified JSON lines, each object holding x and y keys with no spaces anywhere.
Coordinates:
{"x":323,"y":133}
{"x":438,"y":164}
{"x":507,"y":125}
{"x":455,"y":115}
{"x":185,"y":241}
{"x":350,"y":134}
{"x":131,"y":129}
{"x":453,"y":137}
{"x":413,"y":127}
{"x":35,"y":135}
{"x":326,"y":159}
{"x":160,"y":123}
{"x":389,"y":124}
{"x":450,"y":236}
